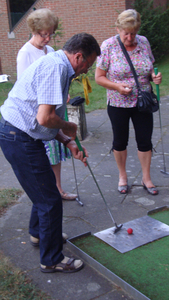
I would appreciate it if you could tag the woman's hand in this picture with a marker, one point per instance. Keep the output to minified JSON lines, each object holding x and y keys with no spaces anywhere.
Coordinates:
{"x":156,"y":78}
{"x":101,"y":79}
{"x":123,"y":89}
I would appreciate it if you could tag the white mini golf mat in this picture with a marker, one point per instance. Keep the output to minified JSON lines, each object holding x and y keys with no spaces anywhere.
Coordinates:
{"x":145,"y":230}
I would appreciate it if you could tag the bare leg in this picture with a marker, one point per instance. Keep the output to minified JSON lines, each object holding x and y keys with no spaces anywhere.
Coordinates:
{"x":120,"y":157}
{"x":57,"y":171}
{"x":145,"y":160}
{"x":65,"y":195}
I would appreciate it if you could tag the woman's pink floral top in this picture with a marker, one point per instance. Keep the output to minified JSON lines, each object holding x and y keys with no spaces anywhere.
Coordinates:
{"x":118,"y":70}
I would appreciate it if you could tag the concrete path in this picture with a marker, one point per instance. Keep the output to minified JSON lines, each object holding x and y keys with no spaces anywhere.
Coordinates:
{"x":88,"y":284}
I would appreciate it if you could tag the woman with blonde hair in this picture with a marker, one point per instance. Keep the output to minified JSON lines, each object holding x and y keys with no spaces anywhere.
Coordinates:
{"x":113,"y":72}
{"x":42,"y":24}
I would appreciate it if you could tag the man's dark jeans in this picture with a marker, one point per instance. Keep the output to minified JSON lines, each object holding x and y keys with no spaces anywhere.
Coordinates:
{"x":32,"y":168}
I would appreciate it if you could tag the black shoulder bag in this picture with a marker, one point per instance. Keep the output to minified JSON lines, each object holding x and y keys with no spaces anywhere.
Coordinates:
{"x":146,"y":101}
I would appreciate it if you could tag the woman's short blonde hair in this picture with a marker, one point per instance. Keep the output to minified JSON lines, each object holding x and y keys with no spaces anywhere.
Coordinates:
{"x":42,"y":19}
{"x":129,"y":19}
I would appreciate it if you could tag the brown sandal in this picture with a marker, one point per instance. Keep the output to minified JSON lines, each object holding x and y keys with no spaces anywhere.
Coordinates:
{"x":72,"y":265}
{"x":68,"y":196}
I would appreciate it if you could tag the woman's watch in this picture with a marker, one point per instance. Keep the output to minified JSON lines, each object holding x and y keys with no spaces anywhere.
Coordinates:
{"x":67,"y":141}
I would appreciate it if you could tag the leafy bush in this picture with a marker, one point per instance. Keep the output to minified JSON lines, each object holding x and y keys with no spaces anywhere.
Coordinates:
{"x":59,"y":33}
{"x":155,"y":26}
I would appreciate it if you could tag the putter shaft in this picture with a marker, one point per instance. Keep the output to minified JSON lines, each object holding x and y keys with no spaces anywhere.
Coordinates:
{"x":162,"y":145}
{"x":77,"y":198}
{"x":81,"y":149}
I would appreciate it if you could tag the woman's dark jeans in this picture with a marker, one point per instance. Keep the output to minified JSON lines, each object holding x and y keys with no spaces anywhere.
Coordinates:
{"x":32,"y":168}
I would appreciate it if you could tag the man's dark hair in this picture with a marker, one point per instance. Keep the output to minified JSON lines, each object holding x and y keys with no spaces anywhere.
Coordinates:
{"x":82,"y":42}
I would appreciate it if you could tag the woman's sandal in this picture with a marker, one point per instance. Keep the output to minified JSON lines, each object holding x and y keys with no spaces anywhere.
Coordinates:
{"x":67,"y":265}
{"x":152,"y":190}
{"x":68,"y":196}
{"x":123,"y":189}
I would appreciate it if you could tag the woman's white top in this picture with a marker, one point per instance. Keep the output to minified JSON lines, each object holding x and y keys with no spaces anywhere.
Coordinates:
{"x":28,"y":54}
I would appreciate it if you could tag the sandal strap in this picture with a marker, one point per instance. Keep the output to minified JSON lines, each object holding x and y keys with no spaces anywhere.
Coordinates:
{"x":66,"y":266}
{"x":123,"y":189}
{"x":72,"y":265}
{"x":152,"y":190}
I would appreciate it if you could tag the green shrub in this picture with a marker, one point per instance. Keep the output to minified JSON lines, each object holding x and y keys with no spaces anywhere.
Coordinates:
{"x":59,"y":33}
{"x":155,"y":26}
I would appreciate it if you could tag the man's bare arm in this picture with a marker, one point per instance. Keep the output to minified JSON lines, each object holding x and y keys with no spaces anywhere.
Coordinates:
{"x":47,"y":117}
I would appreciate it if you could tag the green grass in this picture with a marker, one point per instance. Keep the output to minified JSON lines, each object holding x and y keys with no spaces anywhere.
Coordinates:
{"x":145,"y":268}
{"x":5,"y":87}
{"x":97,"y":98}
{"x":8,"y":197}
{"x":14,"y":285}
{"x":163,"y":67}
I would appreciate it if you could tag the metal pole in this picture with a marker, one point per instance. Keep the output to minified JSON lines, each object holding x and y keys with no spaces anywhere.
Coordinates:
{"x":77,"y":198}
{"x":162,"y":145}
{"x":81,"y":149}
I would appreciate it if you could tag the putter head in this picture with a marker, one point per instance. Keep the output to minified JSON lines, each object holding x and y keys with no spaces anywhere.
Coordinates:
{"x":78,"y":200}
{"x":118,"y":228}
{"x":165,"y":173}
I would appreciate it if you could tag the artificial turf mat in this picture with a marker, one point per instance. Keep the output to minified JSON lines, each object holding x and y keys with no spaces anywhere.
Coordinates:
{"x":145,"y":268}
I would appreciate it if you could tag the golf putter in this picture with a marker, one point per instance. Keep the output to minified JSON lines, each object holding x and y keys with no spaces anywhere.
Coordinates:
{"x":81,"y":149}
{"x":162,"y":145}
{"x":77,"y":198}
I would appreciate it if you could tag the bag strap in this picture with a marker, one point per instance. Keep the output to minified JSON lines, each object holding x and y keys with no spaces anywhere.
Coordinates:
{"x":129,"y":61}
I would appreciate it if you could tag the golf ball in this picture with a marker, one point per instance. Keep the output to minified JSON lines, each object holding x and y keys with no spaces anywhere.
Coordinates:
{"x":130,"y":230}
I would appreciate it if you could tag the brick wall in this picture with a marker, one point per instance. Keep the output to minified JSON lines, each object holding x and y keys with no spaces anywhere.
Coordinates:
{"x":129,"y":4}
{"x":96,"y":17}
